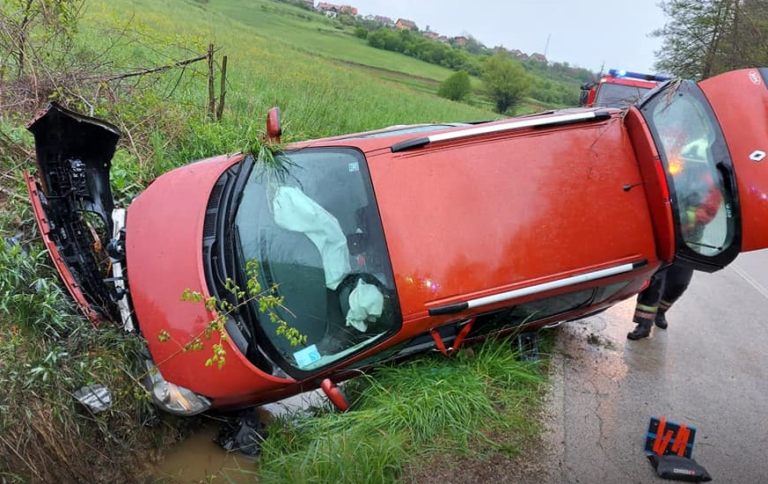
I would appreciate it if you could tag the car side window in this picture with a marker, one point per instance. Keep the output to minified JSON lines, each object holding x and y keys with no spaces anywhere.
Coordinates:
{"x":606,"y":292}
{"x":530,"y":311}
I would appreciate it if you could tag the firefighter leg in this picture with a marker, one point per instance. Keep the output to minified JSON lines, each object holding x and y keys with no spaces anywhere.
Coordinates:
{"x":648,"y":306}
{"x":676,"y":282}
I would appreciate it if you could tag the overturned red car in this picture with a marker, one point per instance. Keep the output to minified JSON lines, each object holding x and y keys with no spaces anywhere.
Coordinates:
{"x":387,"y":243}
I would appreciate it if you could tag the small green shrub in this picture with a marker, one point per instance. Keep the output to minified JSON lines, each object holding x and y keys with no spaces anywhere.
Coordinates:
{"x":456,"y":88}
{"x":361,"y":33}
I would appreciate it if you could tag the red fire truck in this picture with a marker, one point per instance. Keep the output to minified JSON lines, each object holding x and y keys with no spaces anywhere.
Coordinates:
{"x":618,"y":89}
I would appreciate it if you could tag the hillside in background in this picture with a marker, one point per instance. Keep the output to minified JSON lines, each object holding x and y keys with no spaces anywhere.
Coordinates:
{"x":554,"y":86}
{"x":271,"y":62}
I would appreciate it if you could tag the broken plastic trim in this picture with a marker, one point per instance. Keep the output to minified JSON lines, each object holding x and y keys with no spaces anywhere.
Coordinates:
{"x":73,"y":156}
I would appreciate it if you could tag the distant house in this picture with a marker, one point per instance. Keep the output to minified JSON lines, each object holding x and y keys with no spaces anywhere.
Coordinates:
{"x":444,"y":39}
{"x":332,"y":10}
{"x":516,"y":52}
{"x":404,"y":24}
{"x":329,"y":9}
{"x":539,"y":57}
{"x":523,"y":56}
{"x":430,"y":35}
{"x":385,"y":21}
{"x":462,"y":41}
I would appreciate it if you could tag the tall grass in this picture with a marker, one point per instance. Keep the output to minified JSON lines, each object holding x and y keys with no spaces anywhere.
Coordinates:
{"x":482,"y":401}
{"x":47,"y":352}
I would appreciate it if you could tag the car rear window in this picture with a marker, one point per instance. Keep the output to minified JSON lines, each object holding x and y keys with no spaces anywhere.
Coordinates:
{"x":692,"y":147}
{"x":618,"y":95}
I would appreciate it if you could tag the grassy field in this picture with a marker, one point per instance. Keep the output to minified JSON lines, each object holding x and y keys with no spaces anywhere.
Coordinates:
{"x":318,"y":97}
{"x":47,"y":348}
{"x":313,"y":33}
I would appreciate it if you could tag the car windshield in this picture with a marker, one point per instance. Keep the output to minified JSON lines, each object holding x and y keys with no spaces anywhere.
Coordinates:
{"x":312,"y":224}
{"x":611,"y":95}
{"x":692,"y":148}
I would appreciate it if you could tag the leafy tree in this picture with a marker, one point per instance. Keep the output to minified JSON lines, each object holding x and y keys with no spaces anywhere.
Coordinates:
{"x":32,"y":25}
{"x":691,"y":37}
{"x":706,"y":37}
{"x":506,"y":82}
{"x":456,"y":87}
{"x":747,"y":44}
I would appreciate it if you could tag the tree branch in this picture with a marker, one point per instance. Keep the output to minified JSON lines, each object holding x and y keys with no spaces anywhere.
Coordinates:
{"x":154,"y":70}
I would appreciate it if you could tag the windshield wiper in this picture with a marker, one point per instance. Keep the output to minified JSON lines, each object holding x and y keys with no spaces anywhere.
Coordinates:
{"x":225,"y":220}
{"x":704,"y":245}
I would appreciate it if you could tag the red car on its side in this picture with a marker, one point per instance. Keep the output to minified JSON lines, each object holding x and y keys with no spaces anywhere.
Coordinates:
{"x":407,"y":239}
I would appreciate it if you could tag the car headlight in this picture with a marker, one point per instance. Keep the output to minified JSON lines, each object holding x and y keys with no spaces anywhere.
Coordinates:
{"x":173,"y":398}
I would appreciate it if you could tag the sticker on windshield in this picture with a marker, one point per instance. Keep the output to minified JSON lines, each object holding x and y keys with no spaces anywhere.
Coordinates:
{"x":754,"y":76}
{"x":307,"y":356}
{"x":354,"y":166}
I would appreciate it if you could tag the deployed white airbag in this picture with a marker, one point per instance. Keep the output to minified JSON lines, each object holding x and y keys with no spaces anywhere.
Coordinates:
{"x":295,"y":211}
{"x":365,"y":304}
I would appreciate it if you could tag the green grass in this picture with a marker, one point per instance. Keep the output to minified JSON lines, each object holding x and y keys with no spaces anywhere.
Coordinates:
{"x":477,"y":403}
{"x":280,"y":25}
{"x":318,"y":97}
{"x":47,"y":351}
{"x":313,"y":33}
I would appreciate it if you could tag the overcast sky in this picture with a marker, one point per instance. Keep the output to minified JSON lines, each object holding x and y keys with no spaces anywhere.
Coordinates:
{"x":586,"y":33}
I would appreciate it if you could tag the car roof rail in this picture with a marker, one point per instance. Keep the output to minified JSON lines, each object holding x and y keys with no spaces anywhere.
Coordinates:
{"x":497,"y":128}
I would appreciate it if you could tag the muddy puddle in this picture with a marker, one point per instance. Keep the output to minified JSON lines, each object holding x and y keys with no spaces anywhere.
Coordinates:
{"x":200,"y":460}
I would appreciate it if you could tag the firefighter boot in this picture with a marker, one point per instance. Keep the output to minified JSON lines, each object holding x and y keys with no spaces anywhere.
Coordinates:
{"x":661,"y":320}
{"x":642,"y":330}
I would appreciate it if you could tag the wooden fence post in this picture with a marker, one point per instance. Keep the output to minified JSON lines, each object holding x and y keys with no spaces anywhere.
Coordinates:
{"x":211,"y":94}
{"x":223,"y":89}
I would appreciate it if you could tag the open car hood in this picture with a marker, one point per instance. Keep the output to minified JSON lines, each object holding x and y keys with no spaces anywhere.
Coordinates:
{"x":73,"y":202}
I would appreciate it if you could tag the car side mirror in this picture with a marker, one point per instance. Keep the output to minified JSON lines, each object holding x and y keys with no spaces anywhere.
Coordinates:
{"x":335,"y":394}
{"x":274,"y":128}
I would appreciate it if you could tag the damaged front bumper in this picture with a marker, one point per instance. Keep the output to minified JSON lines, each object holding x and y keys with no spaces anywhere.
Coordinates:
{"x":73,"y":206}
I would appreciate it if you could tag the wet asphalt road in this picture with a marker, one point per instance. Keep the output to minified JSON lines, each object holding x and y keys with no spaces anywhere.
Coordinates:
{"x":707,"y":370}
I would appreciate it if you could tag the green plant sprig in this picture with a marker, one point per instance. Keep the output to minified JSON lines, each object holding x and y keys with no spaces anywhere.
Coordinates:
{"x":268,"y":301}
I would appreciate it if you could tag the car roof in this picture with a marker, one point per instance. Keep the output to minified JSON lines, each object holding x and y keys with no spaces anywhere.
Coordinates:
{"x":388,"y":137}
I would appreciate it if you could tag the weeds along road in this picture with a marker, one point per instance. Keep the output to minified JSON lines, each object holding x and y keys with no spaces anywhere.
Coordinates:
{"x":707,"y":370}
